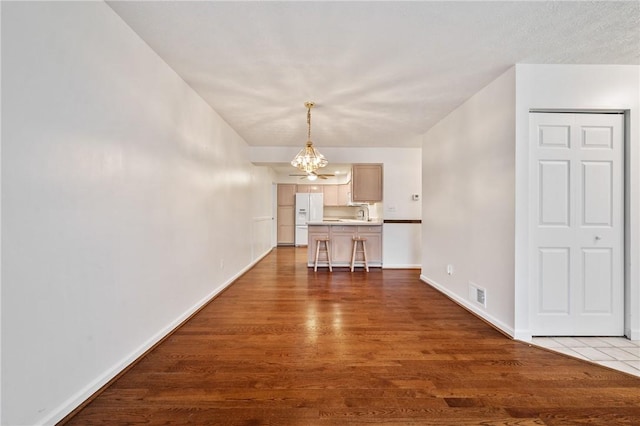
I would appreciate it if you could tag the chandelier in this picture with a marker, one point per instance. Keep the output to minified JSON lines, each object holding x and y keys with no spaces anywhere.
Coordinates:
{"x":309,"y":159}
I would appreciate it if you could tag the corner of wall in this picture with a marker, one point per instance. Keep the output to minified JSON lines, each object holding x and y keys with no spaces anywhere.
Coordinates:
{"x":468,"y":182}
{"x":493,"y":321}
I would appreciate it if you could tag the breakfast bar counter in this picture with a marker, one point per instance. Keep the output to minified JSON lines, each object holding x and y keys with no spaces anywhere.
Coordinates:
{"x":340,"y":233}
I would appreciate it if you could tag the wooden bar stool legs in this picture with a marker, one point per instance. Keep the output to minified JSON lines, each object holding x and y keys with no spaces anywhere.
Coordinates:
{"x":362,"y":241}
{"x":327,"y":250}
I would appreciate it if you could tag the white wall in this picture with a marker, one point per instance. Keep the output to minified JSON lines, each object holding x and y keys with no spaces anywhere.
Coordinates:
{"x":578,"y":87}
{"x":402,"y":245}
{"x":402,"y":178}
{"x":126,"y":203}
{"x":468,"y":178}
{"x":471,"y":218}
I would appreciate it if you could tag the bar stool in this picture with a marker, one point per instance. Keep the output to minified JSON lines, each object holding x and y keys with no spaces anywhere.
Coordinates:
{"x":363,"y":241}
{"x":326,"y":250}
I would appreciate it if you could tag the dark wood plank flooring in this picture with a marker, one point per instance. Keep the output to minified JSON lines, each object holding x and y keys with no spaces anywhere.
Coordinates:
{"x":286,"y":346}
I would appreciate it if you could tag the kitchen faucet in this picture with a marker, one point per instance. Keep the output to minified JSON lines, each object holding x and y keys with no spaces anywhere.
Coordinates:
{"x":364,"y":213}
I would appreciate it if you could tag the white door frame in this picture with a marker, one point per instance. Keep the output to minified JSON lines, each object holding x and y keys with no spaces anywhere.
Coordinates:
{"x":533,"y":252}
{"x":577,"y":88}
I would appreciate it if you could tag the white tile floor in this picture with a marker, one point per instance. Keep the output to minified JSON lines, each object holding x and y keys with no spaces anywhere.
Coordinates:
{"x":614,"y":352}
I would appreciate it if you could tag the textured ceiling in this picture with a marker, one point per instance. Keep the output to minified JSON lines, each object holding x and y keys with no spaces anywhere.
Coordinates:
{"x":381,"y":73}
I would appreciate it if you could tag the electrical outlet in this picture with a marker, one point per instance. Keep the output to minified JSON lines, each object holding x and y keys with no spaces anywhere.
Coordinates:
{"x":221,"y":263}
{"x":449,"y":269}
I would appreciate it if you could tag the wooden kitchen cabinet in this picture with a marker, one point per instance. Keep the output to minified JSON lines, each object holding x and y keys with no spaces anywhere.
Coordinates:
{"x":373,"y":234}
{"x":336,"y":195}
{"x":344,"y":194}
{"x":286,"y":194}
{"x":341,"y":241}
{"x":309,"y":188}
{"x":286,"y":225}
{"x":330,"y":195}
{"x":366,"y":182}
{"x":286,"y":214}
{"x":316,"y":232}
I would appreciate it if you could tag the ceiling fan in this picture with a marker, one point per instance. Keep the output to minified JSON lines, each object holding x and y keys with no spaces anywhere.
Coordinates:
{"x":313,"y":175}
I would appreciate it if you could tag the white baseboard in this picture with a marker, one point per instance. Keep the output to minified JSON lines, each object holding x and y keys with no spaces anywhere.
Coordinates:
{"x":523,"y":335}
{"x":469,"y":306}
{"x":632,"y":334}
{"x":401,"y":266}
{"x":74,"y":401}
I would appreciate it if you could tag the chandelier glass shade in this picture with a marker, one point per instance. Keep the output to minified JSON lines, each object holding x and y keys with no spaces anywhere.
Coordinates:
{"x":309,"y":159}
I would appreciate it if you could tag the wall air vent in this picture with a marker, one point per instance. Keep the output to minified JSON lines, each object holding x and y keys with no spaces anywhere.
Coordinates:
{"x":478,"y":294}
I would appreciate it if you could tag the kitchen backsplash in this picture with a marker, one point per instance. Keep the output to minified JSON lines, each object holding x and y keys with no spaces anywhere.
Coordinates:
{"x":351,"y":212}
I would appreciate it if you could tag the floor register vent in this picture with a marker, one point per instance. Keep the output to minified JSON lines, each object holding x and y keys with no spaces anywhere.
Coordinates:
{"x":477,"y":294}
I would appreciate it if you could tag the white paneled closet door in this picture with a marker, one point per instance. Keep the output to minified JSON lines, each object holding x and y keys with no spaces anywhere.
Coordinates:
{"x":577,"y":224}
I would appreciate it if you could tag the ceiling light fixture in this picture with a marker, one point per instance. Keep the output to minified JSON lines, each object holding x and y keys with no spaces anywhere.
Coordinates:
{"x":309,"y":159}
{"x":315,"y":175}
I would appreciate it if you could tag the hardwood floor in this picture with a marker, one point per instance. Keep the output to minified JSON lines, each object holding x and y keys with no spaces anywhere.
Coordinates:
{"x":286,"y":346}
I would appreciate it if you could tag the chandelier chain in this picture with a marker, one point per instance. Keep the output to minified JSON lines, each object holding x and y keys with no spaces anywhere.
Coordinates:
{"x":309,"y":159}
{"x":309,"y":123}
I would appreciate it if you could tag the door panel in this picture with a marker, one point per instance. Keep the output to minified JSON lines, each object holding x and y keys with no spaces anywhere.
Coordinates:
{"x":577,"y":224}
{"x":554,"y":193}
{"x":554,"y":280}
{"x":597,"y":197}
{"x":597,"y":287}
{"x":597,"y":137}
{"x":554,"y":135}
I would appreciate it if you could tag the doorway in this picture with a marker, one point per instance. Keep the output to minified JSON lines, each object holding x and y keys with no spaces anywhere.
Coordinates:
{"x":577,"y":223}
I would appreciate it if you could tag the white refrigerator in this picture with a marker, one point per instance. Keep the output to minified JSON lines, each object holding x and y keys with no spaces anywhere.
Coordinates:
{"x":309,"y":208}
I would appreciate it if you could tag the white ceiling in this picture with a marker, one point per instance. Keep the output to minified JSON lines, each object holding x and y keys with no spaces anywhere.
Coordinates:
{"x":381,"y":73}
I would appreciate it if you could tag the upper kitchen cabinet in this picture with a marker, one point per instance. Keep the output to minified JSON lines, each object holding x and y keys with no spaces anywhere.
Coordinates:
{"x":330,"y":195}
{"x":286,"y":194}
{"x":367,"y":183}
{"x":336,"y":195}
{"x":344,"y":194}
{"x":309,"y":188}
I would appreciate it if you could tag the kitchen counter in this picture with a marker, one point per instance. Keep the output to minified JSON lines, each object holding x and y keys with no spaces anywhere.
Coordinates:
{"x":341,"y":233}
{"x":348,"y":222}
